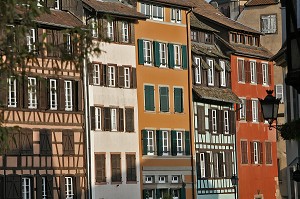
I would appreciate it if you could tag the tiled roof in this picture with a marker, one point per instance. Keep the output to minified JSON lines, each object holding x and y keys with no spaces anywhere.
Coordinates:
{"x":217,"y":94}
{"x":115,"y":8}
{"x":183,"y":3}
{"x":261,"y":2}
{"x":198,"y":24}
{"x":207,"y":50}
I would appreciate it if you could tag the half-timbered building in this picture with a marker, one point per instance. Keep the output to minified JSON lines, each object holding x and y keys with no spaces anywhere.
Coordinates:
{"x":45,"y":157}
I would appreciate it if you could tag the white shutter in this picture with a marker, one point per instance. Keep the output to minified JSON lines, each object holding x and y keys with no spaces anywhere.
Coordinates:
{"x":273,"y":24}
{"x":279,"y":92}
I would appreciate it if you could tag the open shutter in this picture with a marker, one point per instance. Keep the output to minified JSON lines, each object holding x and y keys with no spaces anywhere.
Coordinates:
{"x":220,"y":119}
{"x":20,"y":91}
{"x":43,"y":91}
{"x":49,"y":187}
{"x":91,"y":70}
{"x":2,"y":187}
{"x":210,"y":120}
{"x":178,"y":100}
{"x":133,"y":78}
{"x":229,"y":165}
{"x":141,"y":51}
{"x":238,"y":111}
{"x":93,"y":119}
{"x":201,"y":119}
{"x":78,"y":96}
{"x":184,"y":57}
{"x":145,"y":141}
{"x":4,"y":90}
{"x":248,"y":110}
{"x":252,"y":152}
{"x":261,"y":154}
{"x":107,"y":122}
{"x":207,"y":165}
{"x":39,"y":187}
{"x":171,"y":60}
{"x":62,"y":187}
{"x":259,"y":73}
{"x":220,"y":164}
{"x":260,"y":114}
{"x":182,"y":193}
{"x":187,"y":143}
{"x":78,"y":187}
{"x":116,"y":76}
{"x":174,"y":143}
{"x":158,"y":193}
{"x":247,"y":72}
{"x":129,"y":117}
{"x":13,"y":186}
{"x":269,"y":75}
{"x":156,"y":54}
{"x":121,"y":76}
{"x":62,"y":96}
{"x":105,"y":77}
{"x":204,"y":77}
{"x":159,"y":142}
{"x":121,"y":120}
{"x":232,"y":126}
{"x":25,"y":92}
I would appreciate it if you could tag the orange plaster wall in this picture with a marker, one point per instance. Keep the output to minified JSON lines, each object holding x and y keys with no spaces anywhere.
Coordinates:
{"x":254,"y":179}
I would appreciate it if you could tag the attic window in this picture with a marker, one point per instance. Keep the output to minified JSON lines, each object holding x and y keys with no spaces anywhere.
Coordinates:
{"x":208,"y":38}
{"x":233,"y":37}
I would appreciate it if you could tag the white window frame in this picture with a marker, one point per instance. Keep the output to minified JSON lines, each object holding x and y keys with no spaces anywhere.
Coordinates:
{"x":12,"y":91}
{"x":269,"y":23}
{"x":26,"y":188}
{"x":147,"y":52}
{"x":279,"y":92}
{"x":69,"y":188}
{"x":177,"y":193}
{"x":161,"y":179}
{"x":265,"y":73}
{"x":68,"y":42}
{"x":126,"y":77}
{"x":202,"y":165}
{"x":31,"y":39}
{"x":110,"y":30}
{"x":98,"y":118}
{"x":216,"y":169}
{"x":44,"y":187}
{"x":176,"y":15}
{"x":151,"y":194}
{"x":243,"y":109}
{"x":150,"y":144}
{"x":56,"y":4}
{"x":223,"y":73}
{"x":243,"y":70}
{"x":198,"y":70}
{"x":157,"y":8}
{"x":125,"y":31}
{"x":255,"y":153}
{"x":163,"y":54}
{"x":175,"y":179}
{"x":179,"y":142}
{"x":149,"y":179}
{"x":113,"y":119}
{"x":94,"y":27}
{"x":53,"y":94}
{"x":68,"y":95}
{"x":177,"y":56}
{"x":210,"y":72}
{"x":147,"y":9}
{"x":96,"y":74}
{"x":165,"y":142}
{"x":226,"y":122}
{"x":253,"y":73}
{"x":112,"y":76}
{"x":254,"y":110}
{"x":214,"y":120}
{"x":32,"y":97}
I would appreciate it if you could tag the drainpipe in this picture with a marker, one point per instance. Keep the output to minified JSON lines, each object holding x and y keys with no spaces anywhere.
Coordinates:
{"x":190,"y":99}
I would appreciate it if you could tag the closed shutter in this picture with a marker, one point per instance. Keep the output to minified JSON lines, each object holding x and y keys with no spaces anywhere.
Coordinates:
{"x":232,"y":125}
{"x":92,"y":116}
{"x":248,"y":110}
{"x":116,"y":167}
{"x":14,"y":147}
{"x":184,"y":57}
{"x":25,"y":91}
{"x":2,"y":187}
{"x":100,"y":168}
{"x":68,"y":142}
{"x":39,"y":187}
{"x":207,"y":165}
{"x":260,"y":152}
{"x":268,"y":152}
{"x":49,"y":188}
{"x":26,"y":141}
{"x":178,"y":100}
{"x":149,"y":98}
{"x":247,"y":72}
{"x":210,"y":120}
{"x":201,"y":119}
{"x":269,"y":75}
{"x":121,"y":120}
{"x":159,"y":143}
{"x":20,"y":91}
{"x":182,"y":193}
{"x":221,"y":164}
{"x":259,"y":73}
{"x":156,"y":54}
{"x":43,"y":91}
{"x":145,"y":141}
{"x":220,"y":119}
{"x":252,"y":152}
{"x":229,"y":165}
{"x":244,"y":152}
{"x":171,"y":55}
{"x":4,"y":89}
{"x":133,"y":78}
{"x":141,"y":51}
{"x":13,"y":187}
{"x":45,"y":142}
{"x":187,"y":143}
{"x":129,"y":117}
{"x":174,"y":143}
{"x":121,"y":76}
{"x":164,"y":99}
{"x":62,"y":187}
{"x":130,"y":167}
{"x":107,"y":118}
{"x":158,"y":193}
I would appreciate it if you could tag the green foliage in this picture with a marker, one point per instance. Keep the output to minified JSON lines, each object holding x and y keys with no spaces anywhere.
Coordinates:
{"x":290,"y":130}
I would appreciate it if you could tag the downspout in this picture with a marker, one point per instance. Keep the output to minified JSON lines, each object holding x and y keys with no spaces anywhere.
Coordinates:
{"x":190,"y":98}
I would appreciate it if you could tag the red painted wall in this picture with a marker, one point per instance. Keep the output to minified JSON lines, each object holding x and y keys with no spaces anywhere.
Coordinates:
{"x":254,"y":179}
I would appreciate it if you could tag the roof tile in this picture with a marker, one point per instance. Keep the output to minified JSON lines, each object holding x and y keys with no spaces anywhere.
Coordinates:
{"x":260,"y":2}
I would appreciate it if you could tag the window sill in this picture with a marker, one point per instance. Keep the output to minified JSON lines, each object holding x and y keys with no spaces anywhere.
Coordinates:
{"x":131,"y":182}
{"x":100,"y":183}
{"x":150,"y":111}
{"x":241,"y":82}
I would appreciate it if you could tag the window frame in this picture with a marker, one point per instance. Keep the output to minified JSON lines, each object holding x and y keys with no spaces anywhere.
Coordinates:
{"x":162,"y":179}
{"x":177,"y":56}
{"x":149,"y":179}
{"x":147,"y":51}
{"x":210,"y":72}
{"x":158,"y":17}
{"x":44,"y":187}
{"x":173,"y":180}
{"x":198,"y":70}
{"x":269,"y":18}
{"x":226,"y":122}
{"x":127,"y":77}
{"x":94,"y":27}
{"x":223,"y":73}
{"x":253,"y":72}
{"x":256,"y":152}
{"x":179,"y":140}
{"x":111,"y":76}
{"x":68,"y":95}
{"x":32,"y":93}
{"x":202,"y":165}
{"x":163,"y":55}
{"x":243,"y":109}
{"x":12,"y":92}
{"x":150,"y":142}
{"x":98,"y":118}
{"x":69,"y":187}
{"x":57,"y":4}
{"x":165,"y":142}
{"x":113,"y":119}
{"x":26,"y":187}
{"x":125,"y":31}
{"x":214,"y":120}
{"x":31,"y":39}
{"x":110,"y":30}
{"x":176,"y":15}
{"x":254,"y":104}
{"x":242,"y":80}
{"x":265,"y":73}
{"x":96,"y":74}
{"x":68,"y":46}
{"x":194,"y":35}
{"x":53,"y":94}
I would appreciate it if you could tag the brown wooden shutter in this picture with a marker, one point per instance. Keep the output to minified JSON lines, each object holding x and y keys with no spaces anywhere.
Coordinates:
{"x":133,"y":78}
{"x":20,"y":91}
{"x":77,"y":187}
{"x":121,"y":76}
{"x":210,"y":120}
{"x":100,"y":168}
{"x":229,"y":165}
{"x":248,"y":110}
{"x":252,"y":152}
{"x":129,"y":117}
{"x":49,"y":185}
{"x":26,"y":141}
{"x":268,"y":152}
{"x":260,"y":152}
{"x":221,"y":164}
{"x":104,"y":75}
{"x":39,"y":188}
{"x":77,"y":95}
{"x":107,"y":123}
{"x":238,"y":112}
{"x":91,"y":74}
{"x":116,"y":168}
{"x":204,"y":77}
{"x":247,"y":72}
{"x":207,"y":165}
{"x":198,"y":168}
{"x":130,"y":167}
{"x":45,"y":142}
{"x":244,"y":152}
{"x":62,"y":187}
{"x":217,"y":78}
{"x":116,"y":76}
{"x":25,"y":91}
{"x":220,"y":119}
{"x":269,"y":75}
{"x":61,"y":96}
{"x":4,"y":89}
{"x":228,"y":79}
{"x":201,"y":119}
{"x":232,"y":125}
{"x":259,"y":73}
{"x":93,"y":119}
{"x":260,"y":115}
{"x":68,"y":142}
{"x":121,"y":120}
{"x":43,"y":91}
{"x":13,"y":186}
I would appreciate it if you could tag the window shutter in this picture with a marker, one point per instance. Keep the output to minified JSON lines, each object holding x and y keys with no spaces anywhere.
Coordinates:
{"x":75,"y":96}
{"x":45,"y":142}
{"x":261,"y":154}
{"x":39,"y":183}
{"x":220,"y":119}
{"x":20,"y":91}
{"x":174,"y":143}
{"x":26,"y":141}
{"x":62,"y":187}
{"x":184,"y":57}
{"x":145,"y":141}
{"x":164,"y":99}
{"x":238,"y":112}
{"x":204,"y":77}
{"x":220,"y":165}
{"x":201,"y":119}
{"x":247,"y":72}
{"x":4,"y":90}
{"x":159,"y":143}
{"x":129,"y":117}
{"x":268,"y":152}
{"x":260,"y":114}
{"x":244,"y":152}
{"x":49,"y":186}
{"x":182,"y":193}
{"x":25,"y":91}
{"x":259,"y":73}
{"x":279,"y":92}
{"x":79,"y":92}
{"x":207,"y":165}
{"x":210,"y":120}
{"x":116,"y":76}
{"x":269,"y":75}
{"x":107,"y":77}
{"x":121,"y":120}
{"x":133,"y":78}
{"x":229,"y":165}
{"x":158,"y":193}
{"x":252,"y":152}
{"x":93,"y":119}
{"x":232,"y":125}
{"x":61,"y":84}
{"x":217,"y":78}
{"x":248,"y":110}
{"x":187,"y":143}
{"x":141,"y":51}
{"x":2,"y":187}
{"x":102,"y":74}
{"x":198,"y":168}
{"x":77,"y":187}
{"x":156,"y":54}
{"x":171,"y":60}
{"x":13,"y":186}
{"x":91,"y":71}
{"x":149,"y":98}
{"x":178,"y":100}
{"x":107,"y":119}
{"x":43,"y":91}
{"x":121,"y":76}
{"x":100,"y":168}
{"x":145,"y":194}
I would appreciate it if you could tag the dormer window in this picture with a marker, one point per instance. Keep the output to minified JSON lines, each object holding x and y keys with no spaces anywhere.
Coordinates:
{"x":194,"y":35}
{"x":250,"y":40}
{"x":176,"y":16}
{"x":233,"y":37}
{"x":238,"y":38}
{"x":208,"y":38}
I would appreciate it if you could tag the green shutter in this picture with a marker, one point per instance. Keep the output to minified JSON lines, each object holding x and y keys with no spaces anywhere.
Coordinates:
{"x":178,"y":100}
{"x":171,"y":55}
{"x":141,"y":51}
{"x":159,"y":143}
{"x":182,"y":193}
{"x":184,"y":57}
{"x":158,"y":195}
{"x":145,"y":142}
{"x":174,"y":142}
{"x":156,"y":54}
{"x":164,"y":99}
{"x":187,"y":143}
{"x":145,"y":194}
{"x":149,"y":98}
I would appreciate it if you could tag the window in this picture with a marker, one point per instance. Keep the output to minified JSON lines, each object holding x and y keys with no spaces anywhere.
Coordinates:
{"x":98,"y":119}
{"x":12,"y":92}
{"x":175,"y":193}
{"x":176,"y":15}
{"x":111,"y":76}
{"x":161,"y":179}
{"x":127,"y":77}
{"x":194,"y":36}
{"x":68,"y":142}
{"x":44,"y":187}
{"x":31,"y":39}
{"x":130,"y":167}
{"x":233,"y":37}
{"x":214,"y":120}
{"x":210,"y":72}
{"x":253,"y":72}
{"x":69,"y":186}
{"x":100,"y":168}
{"x":175,"y":179}
{"x":94,"y":27}
{"x":150,"y":143}
{"x":244,"y":149}
{"x":147,"y":53}
{"x":116,"y":168}
{"x":241,"y":70}
{"x":149,"y":98}
{"x":177,"y":56}
{"x":57,"y":4}
{"x":226,"y":122}
{"x":179,"y":142}
{"x":32,"y":97}
{"x":53,"y":94}
{"x":254,"y":111}
{"x":268,"y":152}
{"x":164,"y":99}
{"x":216,"y":164}
{"x":149,"y":194}
{"x":255,"y":153}
{"x":26,"y":188}
{"x":110,"y":30}
{"x":165,"y":142}
{"x":146,"y":9}
{"x":163,"y":54}
{"x":223,"y":73}
{"x":268,"y":24}
{"x":198,"y":70}
{"x":265,"y":73}
{"x":153,"y":11}
{"x":149,"y":179}
{"x":243,"y":109}
{"x":279,"y":92}
{"x":238,"y":38}
{"x":250,"y":40}
{"x":68,"y":95}
{"x":96,"y":74}
{"x":208,"y":38}
{"x":125,"y":31}
{"x":113,"y":114}
{"x":67,"y":42}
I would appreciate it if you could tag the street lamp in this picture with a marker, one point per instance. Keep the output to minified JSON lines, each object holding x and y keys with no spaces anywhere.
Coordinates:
{"x":234,"y":181}
{"x":269,"y":107}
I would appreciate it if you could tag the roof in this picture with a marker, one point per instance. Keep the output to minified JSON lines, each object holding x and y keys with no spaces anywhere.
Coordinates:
{"x":260,"y":2}
{"x":182,"y":3}
{"x":115,"y":8}
{"x":217,"y":94}
{"x":207,"y":11}
{"x":196,"y":23}
{"x":207,"y":50}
